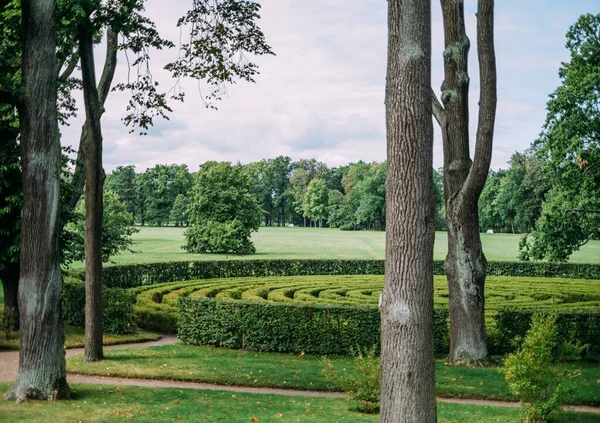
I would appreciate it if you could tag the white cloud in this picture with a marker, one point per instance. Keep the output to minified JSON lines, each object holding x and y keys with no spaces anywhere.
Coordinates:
{"x":322,"y":95}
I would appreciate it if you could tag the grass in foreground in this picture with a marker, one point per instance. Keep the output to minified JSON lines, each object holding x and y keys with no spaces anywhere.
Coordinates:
{"x":247,"y":368}
{"x":93,"y":403}
{"x":74,"y":338}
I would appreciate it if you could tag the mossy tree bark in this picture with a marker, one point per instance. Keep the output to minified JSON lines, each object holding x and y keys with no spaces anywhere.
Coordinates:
{"x":465,"y":265}
{"x":41,"y":373}
{"x":407,"y":374}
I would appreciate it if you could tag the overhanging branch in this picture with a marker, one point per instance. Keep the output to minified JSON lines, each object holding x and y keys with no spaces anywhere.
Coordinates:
{"x":437,"y":108}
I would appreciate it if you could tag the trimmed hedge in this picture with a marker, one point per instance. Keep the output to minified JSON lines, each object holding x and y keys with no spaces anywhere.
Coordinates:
{"x":129,"y":276}
{"x":578,"y":327}
{"x":117,"y":305}
{"x":283,"y":327}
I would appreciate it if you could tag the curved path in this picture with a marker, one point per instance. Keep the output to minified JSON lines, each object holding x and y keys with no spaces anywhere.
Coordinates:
{"x":9,"y":361}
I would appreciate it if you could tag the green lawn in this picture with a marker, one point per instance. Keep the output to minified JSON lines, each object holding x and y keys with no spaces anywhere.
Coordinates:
{"x":248,"y":368}
{"x":164,"y":244}
{"x":95,"y":404}
{"x":74,"y":337}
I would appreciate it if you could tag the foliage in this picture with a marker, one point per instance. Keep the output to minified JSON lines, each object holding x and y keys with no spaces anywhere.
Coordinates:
{"x":117,"y":305}
{"x":8,"y":321}
{"x":158,"y":189}
{"x":116,"y":230}
{"x":222,"y":195}
{"x":530,"y":374}
{"x":280,"y":327}
{"x":122,"y":181}
{"x":569,"y":144}
{"x":179,"y":212}
{"x":362,"y":386}
{"x":572,"y":327}
{"x":316,"y":200}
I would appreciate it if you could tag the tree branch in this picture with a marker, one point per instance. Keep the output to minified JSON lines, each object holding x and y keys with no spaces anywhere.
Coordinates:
{"x":108,"y":72}
{"x":487,"y":97}
{"x":69,"y":69}
{"x":437,"y":108}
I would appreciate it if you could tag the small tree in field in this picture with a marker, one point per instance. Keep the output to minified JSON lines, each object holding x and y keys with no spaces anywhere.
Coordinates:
{"x":223,"y":211}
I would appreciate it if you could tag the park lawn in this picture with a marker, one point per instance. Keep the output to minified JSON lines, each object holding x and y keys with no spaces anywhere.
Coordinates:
{"x":95,"y":404}
{"x":159,"y":244}
{"x":248,"y":368}
{"x":74,"y":338}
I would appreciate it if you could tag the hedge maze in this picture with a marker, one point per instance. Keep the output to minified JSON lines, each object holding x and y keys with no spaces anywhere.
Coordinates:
{"x":330,"y":306}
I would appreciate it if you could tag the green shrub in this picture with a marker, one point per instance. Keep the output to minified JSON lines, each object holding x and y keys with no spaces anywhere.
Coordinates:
{"x":8,"y":320}
{"x":530,"y":372}
{"x":117,"y":305}
{"x":285,"y":327}
{"x":363,"y":384}
{"x":128,"y":276}
{"x":572,"y":327}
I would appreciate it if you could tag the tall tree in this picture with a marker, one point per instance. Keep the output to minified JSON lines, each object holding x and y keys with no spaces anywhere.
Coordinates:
{"x":570,"y":146}
{"x":465,"y":265}
{"x":94,"y":183}
{"x":407,"y":361}
{"x":121,"y":181}
{"x":42,"y":372}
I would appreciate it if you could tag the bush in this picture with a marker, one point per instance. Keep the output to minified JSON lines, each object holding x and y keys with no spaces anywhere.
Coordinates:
{"x":531,"y":375}
{"x":572,"y":327}
{"x":285,"y":327}
{"x":363,"y":384}
{"x":117,"y":305}
{"x":129,"y":276}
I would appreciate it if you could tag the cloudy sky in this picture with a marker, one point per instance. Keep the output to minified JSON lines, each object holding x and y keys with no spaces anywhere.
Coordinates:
{"x":322,"y":94}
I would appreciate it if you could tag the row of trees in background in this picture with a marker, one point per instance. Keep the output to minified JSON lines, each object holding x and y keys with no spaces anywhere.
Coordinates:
{"x":303,"y":193}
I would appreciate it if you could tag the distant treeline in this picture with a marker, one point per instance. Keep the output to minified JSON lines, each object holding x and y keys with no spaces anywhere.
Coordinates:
{"x":302,"y":193}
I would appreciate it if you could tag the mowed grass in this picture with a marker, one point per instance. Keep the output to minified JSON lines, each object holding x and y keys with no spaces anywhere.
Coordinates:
{"x":74,"y":338}
{"x":99,"y":404}
{"x":164,"y":244}
{"x":225,"y":366}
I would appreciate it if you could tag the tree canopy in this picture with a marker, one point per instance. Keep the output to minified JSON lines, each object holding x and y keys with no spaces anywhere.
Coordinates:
{"x":569,"y":145}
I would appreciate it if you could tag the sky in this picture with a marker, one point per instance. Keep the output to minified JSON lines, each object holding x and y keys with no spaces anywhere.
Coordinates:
{"x":322,"y":95}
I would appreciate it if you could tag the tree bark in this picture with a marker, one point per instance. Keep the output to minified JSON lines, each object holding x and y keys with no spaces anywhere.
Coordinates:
{"x":407,"y":358}
{"x":41,"y":373}
{"x":465,"y":265}
{"x":94,"y":182}
{"x":108,"y":72}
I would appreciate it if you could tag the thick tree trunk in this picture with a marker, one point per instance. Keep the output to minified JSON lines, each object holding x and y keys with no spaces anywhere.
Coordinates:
{"x":94,"y":181}
{"x":42,"y":373}
{"x":464,"y":179}
{"x":407,"y":358}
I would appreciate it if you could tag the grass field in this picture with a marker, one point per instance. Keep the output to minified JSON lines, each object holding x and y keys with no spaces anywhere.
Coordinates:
{"x":164,"y":244}
{"x":103,"y":404}
{"x":225,"y":366}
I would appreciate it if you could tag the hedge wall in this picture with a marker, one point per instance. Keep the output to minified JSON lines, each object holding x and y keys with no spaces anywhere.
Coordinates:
{"x":128,"y":276}
{"x":263,"y":326}
{"x":117,"y":305}
{"x":578,"y":327}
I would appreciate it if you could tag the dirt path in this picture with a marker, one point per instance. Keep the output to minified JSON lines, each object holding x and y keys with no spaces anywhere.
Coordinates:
{"x":9,"y":361}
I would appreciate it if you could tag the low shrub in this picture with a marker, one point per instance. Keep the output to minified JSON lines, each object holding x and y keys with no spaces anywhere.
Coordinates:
{"x":572,"y":327}
{"x":530,"y":372}
{"x":286,"y":327}
{"x":117,"y":305}
{"x":363,"y":385}
{"x":128,"y":276}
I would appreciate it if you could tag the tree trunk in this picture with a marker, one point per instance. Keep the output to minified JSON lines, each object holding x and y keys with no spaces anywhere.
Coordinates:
{"x":108,"y":72}
{"x":465,"y":264}
{"x":42,"y":373}
{"x":407,"y":358}
{"x":94,"y":181}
